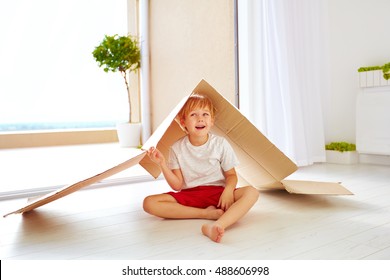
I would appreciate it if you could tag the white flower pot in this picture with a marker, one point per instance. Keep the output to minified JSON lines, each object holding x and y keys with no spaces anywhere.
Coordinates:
{"x":342,"y":157}
{"x":129,"y":134}
{"x":372,"y":78}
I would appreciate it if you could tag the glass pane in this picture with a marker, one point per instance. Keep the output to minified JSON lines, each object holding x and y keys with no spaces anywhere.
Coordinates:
{"x":48,"y":74}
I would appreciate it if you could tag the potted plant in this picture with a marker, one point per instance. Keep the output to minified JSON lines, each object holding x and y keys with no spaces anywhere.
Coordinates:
{"x":341,"y":152}
{"x":122,"y":54}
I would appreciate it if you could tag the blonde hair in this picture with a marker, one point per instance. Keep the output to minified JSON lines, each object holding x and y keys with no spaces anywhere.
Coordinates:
{"x":194,"y":102}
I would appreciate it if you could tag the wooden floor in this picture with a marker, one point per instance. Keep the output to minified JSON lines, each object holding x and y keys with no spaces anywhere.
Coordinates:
{"x":109,"y":223}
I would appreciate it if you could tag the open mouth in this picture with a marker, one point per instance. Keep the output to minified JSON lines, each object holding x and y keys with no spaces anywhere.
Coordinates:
{"x":200,"y":127}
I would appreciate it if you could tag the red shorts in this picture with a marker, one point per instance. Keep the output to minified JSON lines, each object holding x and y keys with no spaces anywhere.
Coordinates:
{"x":199,"y":197}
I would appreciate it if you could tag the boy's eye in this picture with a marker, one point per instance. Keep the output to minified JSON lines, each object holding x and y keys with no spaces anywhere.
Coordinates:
{"x":196,"y":114}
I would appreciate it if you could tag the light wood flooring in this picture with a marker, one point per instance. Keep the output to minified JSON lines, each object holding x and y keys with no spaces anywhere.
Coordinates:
{"x":109,"y":223}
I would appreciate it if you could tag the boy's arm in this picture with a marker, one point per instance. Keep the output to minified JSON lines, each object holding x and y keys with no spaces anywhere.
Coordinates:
{"x":227,"y":197}
{"x":231,"y":179}
{"x":173,"y":177}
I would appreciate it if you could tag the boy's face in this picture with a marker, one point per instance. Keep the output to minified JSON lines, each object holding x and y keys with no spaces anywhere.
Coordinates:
{"x":198,"y":122}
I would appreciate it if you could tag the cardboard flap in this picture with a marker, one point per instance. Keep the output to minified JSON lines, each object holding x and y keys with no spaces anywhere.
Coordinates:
{"x":168,"y":132}
{"x":162,"y":130}
{"x":77,"y":186}
{"x":312,"y":187}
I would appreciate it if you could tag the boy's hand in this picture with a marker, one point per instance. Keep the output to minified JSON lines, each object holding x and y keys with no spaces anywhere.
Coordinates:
{"x":227,"y":199}
{"x":173,"y":177}
{"x":156,"y":156}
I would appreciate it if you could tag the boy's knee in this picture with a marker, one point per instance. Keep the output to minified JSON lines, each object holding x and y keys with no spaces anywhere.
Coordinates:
{"x":147,"y":204}
{"x":253,"y":192}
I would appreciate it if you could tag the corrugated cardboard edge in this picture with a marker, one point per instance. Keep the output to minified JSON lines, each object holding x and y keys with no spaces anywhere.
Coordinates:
{"x":79,"y":185}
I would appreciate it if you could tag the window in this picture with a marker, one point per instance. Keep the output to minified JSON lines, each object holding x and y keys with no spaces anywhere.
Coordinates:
{"x":49,"y":78}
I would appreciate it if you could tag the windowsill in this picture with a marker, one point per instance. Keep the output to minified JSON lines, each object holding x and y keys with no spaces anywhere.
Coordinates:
{"x":38,"y":131}
{"x":33,"y":171}
{"x":43,"y":138}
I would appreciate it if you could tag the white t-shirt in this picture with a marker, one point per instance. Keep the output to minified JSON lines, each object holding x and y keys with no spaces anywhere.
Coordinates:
{"x":202,"y":165}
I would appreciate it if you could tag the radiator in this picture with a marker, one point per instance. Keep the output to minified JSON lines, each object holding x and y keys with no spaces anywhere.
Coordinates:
{"x":373,"y":120}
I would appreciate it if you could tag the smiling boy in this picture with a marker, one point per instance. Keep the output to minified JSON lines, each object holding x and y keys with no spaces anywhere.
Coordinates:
{"x":201,"y":173}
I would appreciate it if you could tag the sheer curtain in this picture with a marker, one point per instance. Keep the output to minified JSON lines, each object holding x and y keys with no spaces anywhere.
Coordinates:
{"x":283,"y":73}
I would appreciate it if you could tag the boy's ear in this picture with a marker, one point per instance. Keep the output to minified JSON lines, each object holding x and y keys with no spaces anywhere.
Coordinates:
{"x":182,"y":122}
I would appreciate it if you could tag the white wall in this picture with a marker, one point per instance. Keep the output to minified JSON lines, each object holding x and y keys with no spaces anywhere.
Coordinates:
{"x":359,"y":36}
{"x":189,"y":41}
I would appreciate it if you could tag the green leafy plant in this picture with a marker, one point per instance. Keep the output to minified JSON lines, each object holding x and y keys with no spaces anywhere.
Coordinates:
{"x":385,"y":69}
{"x":119,"y":54}
{"x":340,"y":146}
{"x":369,"y":68}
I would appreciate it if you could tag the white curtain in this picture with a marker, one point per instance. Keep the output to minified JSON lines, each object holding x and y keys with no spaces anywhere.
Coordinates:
{"x":283,"y":73}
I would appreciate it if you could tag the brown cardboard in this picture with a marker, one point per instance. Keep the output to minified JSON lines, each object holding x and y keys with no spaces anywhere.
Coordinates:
{"x":312,"y":187}
{"x":64,"y":191}
{"x":262,"y":164}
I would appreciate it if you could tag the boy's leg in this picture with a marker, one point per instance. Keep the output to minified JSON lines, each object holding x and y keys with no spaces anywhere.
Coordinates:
{"x":166,"y":206}
{"x":244,"y":199}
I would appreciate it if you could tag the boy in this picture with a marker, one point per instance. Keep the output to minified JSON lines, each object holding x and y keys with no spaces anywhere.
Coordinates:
{"x":201,"y":171}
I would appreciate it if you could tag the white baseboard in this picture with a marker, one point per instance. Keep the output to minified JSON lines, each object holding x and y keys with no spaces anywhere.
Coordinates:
{"x":374,"y":159}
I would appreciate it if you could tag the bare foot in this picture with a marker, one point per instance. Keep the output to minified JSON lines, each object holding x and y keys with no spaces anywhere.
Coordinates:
{"x":213,"y":213}
{"x":213,"y":231}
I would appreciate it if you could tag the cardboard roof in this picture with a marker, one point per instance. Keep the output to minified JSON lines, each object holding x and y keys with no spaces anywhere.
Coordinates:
{"x":262,"y":164}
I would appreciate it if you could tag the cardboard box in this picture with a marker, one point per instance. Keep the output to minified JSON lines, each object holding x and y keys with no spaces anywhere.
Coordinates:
{"x":262,"y":164}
